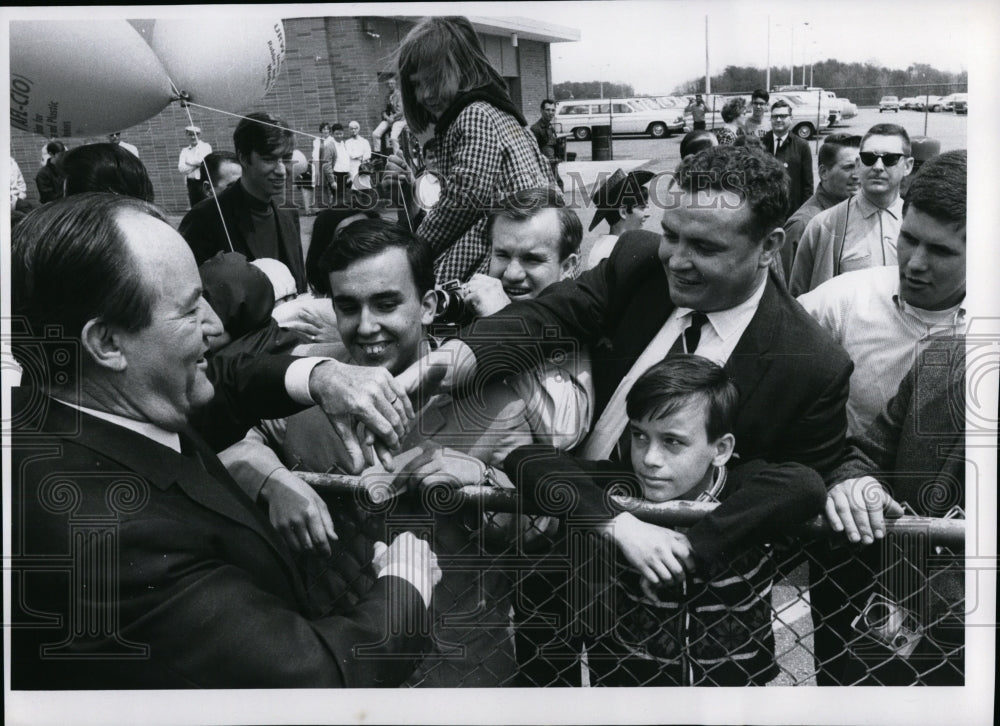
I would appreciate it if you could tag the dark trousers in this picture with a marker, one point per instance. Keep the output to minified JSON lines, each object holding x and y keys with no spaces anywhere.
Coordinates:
{"x":195,"y":192}
{"x":698,"y":125}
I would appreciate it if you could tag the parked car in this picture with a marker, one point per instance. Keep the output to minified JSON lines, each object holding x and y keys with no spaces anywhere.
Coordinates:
{"x":888,"y":103}
{"x":844,"y":105}
{"x":625,"y":115}
{"x":948,"y":102}
{"x":908,"y":103}
{"x":961,"y":103}
{"x":929,"y":103}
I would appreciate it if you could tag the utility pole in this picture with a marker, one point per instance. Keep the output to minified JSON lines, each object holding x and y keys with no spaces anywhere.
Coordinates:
{"x":708,"y":78}
{"x":767,"y":81}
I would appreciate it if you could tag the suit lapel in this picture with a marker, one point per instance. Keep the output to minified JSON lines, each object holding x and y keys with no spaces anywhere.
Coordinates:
{"x":161,"y":466}
{"x":217,"y":491}
{"x":750,"y":360}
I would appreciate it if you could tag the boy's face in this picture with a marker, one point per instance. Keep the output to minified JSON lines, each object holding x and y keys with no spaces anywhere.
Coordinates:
{"x":673,"y":457}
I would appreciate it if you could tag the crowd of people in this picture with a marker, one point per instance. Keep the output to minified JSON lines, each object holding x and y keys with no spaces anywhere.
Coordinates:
{"x":200,"y":371}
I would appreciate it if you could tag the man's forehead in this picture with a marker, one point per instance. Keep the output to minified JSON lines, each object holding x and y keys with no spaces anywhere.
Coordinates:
{"x":539,"y":233}
{"x":154,"y":245}
{"x":879,"y":142}
{"x":385,"y":273}
{"x":847,"y":154}
{"x":701,"y":201}
{"x":918,"y":224}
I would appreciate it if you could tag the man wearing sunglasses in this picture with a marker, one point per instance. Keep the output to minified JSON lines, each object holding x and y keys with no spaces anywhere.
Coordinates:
{"x":861,"y":231}
{"x":792,"y":152}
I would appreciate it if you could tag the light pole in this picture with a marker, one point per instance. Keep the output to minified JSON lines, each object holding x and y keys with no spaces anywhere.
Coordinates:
{"x":767,"y":78}
{"x":791,"y":61}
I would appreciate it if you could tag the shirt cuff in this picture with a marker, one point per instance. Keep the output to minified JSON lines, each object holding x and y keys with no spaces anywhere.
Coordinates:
{"x":425,"y":586}
{"x":297,"y":379}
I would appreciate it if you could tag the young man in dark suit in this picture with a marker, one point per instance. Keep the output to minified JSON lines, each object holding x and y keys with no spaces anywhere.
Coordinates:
{"x":255,"y":219}
{"x":167,"y":575}
{"x":792,"y":152}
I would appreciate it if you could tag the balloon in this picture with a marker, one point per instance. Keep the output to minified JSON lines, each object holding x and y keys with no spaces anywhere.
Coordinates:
{"x":228,"y":68}
{"x":72,"y":78}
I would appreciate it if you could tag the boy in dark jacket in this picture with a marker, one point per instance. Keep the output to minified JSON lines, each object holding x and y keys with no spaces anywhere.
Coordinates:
{"x":686,"y":607}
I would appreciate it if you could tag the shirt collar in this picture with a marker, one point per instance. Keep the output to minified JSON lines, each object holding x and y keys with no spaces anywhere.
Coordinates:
{"x":955,"y":314}
{"x":824,"y":197}
{"x":727,"y":323}
{"x":867,"y":209}
{"x":169,"y":439}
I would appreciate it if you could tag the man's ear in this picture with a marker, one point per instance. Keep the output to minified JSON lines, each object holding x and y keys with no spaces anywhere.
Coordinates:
{"x":724,"y":446}
{"x":567,"y":266}
{"x":428,"y":306}
{"x":206,"y":188}
{"x":102,"y":344}
{"x":771,"y":246}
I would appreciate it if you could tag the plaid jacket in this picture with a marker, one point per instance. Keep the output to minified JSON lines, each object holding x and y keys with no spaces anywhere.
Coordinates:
{"x":484,"y":155}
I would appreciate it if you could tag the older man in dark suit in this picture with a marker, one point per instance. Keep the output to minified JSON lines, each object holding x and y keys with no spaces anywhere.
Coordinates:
{"x":151,"y":567}
{"x":254,"y":220}
{"x":792,"y":152}
{"x":702,"y":287}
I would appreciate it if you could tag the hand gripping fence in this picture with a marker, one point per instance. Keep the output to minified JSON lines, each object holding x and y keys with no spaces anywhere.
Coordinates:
{"x":534,"y":600}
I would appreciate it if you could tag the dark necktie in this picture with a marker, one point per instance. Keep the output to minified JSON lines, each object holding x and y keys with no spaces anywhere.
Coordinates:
{"x":687,"y":342}
{"x":692,"y":336}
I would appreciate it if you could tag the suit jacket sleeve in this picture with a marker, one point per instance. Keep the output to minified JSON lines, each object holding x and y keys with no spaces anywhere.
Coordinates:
{"x":560,"y":484}
{"x":806,"y":172}
{"x":241,"y":635}
{"x":766,"y":500}
{"x":800,"y":280}
{"x":576,"y":310}
{"x":248,"y":388}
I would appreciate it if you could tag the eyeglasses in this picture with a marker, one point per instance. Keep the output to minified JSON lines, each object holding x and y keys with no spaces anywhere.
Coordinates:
{"x":780,"y":116}
{"x":759,"y":103}
{"x":868,"y":158}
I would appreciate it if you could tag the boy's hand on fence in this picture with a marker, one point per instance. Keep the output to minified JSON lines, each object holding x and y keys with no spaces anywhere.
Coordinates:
{"x":298,"y":513}
{"x":658,"y":553}
{"x":858,"y":508}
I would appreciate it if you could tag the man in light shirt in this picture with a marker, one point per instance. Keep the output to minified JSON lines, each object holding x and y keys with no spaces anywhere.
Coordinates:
{"x":198,"y":589}
{"x":358,"y":149}
{"x":189,"y":163}
{"x":884,"y":316}
{"x":861,"y":231}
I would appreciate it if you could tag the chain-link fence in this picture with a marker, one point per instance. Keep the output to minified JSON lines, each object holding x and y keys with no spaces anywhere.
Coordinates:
{"x":533,"y":600}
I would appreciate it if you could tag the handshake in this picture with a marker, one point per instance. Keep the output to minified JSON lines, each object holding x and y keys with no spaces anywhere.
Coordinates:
{"x":411,"y":559}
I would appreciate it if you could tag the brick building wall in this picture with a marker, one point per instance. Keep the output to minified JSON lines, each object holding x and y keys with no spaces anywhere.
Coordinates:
{"x":331,"y":72}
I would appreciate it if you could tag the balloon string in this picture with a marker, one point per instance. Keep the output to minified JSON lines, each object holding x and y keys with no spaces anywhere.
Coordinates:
{"x":186,"y":104}
{"x":208,"y":176}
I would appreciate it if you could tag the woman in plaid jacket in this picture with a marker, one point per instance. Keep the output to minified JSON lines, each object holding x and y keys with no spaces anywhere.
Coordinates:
{"x":484,"y":148}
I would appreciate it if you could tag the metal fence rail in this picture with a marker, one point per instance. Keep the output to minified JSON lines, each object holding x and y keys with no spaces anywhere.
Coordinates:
{"x":529,"y":600}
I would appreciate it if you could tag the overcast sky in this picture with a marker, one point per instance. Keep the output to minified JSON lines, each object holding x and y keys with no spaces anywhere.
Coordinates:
{"x":656,"y":45}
